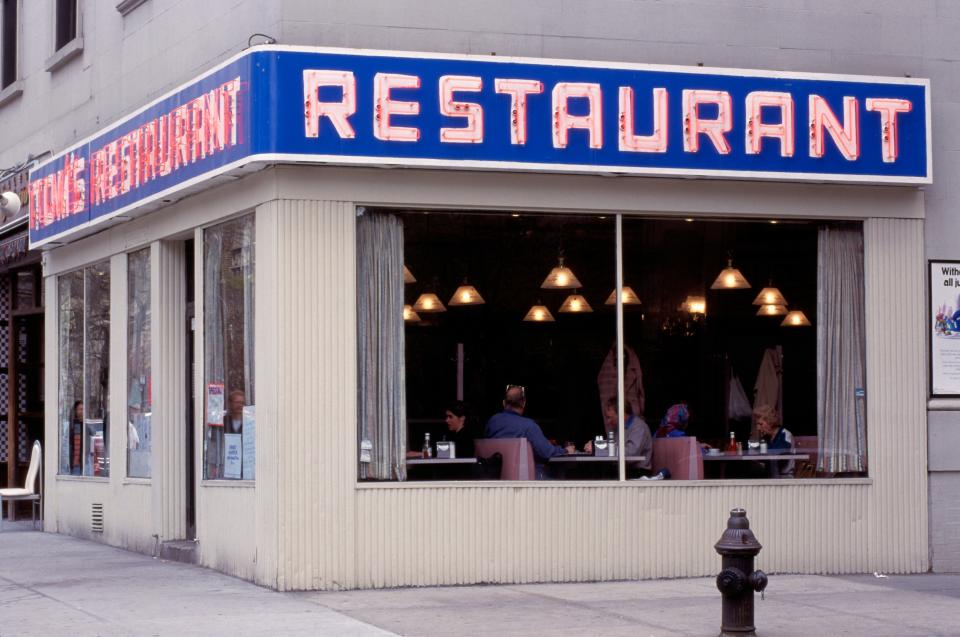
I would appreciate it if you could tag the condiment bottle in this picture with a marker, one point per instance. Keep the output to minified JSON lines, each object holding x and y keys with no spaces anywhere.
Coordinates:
{"x":732,"y":445}
{"x":427,"y":450}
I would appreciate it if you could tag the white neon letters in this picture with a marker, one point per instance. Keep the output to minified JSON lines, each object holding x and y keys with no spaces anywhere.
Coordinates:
{"x":518,"y":91}
{"x":656,"y":142}
{"x":563,"y":121}
{"x":208,"y":126}
{"x":338,"y":112}
{"x":756,"y":129}
{"x":384,"y":107}
{"x":888,"y":109}
{"x":472,"y":133}
{"x":846,"y":137}
{"x":714,"y":129}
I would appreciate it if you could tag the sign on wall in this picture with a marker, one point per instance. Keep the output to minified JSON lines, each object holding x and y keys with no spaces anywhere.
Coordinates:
{"x":944,"y":328}
{"x":331,"y":106}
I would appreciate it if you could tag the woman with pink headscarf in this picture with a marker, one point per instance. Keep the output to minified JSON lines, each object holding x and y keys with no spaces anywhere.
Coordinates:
{"x":674,"y":422}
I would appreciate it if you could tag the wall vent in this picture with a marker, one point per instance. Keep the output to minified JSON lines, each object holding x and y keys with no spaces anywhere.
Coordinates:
{"x":96,"y":517}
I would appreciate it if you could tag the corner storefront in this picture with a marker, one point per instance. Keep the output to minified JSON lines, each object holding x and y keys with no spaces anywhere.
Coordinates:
{"x":245,"y":226}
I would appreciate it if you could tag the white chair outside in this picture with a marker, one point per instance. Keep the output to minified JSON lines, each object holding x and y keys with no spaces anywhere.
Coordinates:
{"x":31,"y":490}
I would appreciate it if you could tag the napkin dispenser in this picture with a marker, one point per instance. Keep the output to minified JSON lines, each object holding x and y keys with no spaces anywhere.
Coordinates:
{"x":603,"y":448}
{"x":446,"y":449}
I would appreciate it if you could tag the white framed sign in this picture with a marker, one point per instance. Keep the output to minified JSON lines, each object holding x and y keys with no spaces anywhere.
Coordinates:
{"x":944,"y":328}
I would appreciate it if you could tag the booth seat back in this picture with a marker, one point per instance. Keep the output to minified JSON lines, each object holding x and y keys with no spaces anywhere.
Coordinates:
{"x":517,"y":454}
{"x":806,"y":444}
{"x":681,"y":456}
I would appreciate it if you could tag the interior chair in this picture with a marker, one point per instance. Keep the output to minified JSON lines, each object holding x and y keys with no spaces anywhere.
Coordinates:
{"x":680,"y":455}
{"x":517,"y":455}
{"x":31,"y":490}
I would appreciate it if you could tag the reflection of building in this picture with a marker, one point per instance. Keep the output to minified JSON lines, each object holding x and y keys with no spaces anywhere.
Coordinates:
{"x":306,"y":521}
{"x":21,"y":334}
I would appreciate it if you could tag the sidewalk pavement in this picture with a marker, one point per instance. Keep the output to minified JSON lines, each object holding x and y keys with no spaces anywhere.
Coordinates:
{"x":54,"y":585}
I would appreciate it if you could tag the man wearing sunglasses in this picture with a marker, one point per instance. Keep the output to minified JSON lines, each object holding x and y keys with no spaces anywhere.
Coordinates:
{"x":510,"y":423}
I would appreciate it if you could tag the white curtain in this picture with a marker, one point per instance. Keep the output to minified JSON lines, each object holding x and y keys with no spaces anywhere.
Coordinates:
{"x":381,"y":397}
{"x":841,"y":350}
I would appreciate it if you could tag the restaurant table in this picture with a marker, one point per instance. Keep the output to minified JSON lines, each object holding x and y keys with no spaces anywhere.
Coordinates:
{"x":584,"y":465}
{"x":440,"y":461}
{"x":442,"y":469}
{"x":584,"y":457}
{"x":756,"y":456}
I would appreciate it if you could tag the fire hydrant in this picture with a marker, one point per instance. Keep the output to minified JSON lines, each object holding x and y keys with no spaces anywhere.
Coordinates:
{"x":737,"y":581}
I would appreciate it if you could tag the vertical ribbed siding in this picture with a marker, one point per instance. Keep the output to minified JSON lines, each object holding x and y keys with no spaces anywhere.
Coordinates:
{"x":416,"y":537}
{"x":306,"y":401}
{"x":168,"y":351}
{"x":896,"y":390}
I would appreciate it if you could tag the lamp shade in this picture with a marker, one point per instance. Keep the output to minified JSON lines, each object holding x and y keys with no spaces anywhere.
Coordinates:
{"x":409,"y":315}
{"x":796,"y":318}
{"x":561,"y":278}
{"x":772,"y":310}
{"x":539,"y":314}
{"x":408,"y":275}
{"x":695,"y":304}
{"x":770,"y":296}
{"x":628,"y":297}
{"x":429,"y":302}
{"x":466,"y":295}
{"x":730,"y":278}
{"x":575,"y":304}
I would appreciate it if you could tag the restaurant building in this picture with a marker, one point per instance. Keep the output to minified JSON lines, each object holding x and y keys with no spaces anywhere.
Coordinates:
{"x":381,"y":236}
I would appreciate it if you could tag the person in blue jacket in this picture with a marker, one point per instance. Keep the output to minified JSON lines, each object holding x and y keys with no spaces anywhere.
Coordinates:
{"x":510,"y":423}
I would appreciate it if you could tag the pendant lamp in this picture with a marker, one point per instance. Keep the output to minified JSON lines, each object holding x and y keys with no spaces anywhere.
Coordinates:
{"x":695,"y":304}
{"x":408,"y":275}
{"x":770,"y":296}
{"x":730,"y":278}
{"x":539,"y":314}
{"x":576,"y":304}
{"x":561,"y":278}
{"x":466,"y":295}
{"x":429,"y":302}
{"x":409,"y":315}
{"x":772,"y":309}
{"x":627,"y":295}
{"x":796,"y":318}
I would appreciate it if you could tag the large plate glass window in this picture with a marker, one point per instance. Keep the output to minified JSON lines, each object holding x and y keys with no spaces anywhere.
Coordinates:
{"x":139,"y":379}
{"x":742,"y":348}
{"x":84,"y":343}
{"x":228,"y":315}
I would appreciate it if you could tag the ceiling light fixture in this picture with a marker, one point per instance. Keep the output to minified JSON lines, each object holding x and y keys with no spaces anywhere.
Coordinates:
{"x":539,"y":314}
{"x":627,"y":297}
{"x":561,"y":278}
{"x":796,"y":318}
{"x":466,"y":294}
{"x":772,"y":309}
{"x":730,"y":278}
{"x":429,"y":302}
{"x":575,"y":304}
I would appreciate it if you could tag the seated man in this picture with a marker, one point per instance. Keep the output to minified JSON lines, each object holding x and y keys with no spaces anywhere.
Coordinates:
{"x":510,"y":423}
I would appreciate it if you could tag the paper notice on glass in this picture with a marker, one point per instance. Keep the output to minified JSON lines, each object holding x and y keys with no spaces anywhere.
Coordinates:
{"x":945,"y":328}
{"x":215,"y":404}
{"x":249,"y":443}
{"x":232,"y":456}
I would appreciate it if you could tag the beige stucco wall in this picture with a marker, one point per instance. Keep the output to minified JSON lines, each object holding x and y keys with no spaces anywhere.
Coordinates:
{"x":306,"y":523}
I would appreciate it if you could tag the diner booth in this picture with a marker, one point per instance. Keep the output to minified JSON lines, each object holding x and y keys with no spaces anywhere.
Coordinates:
{"x":267,"y":289}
